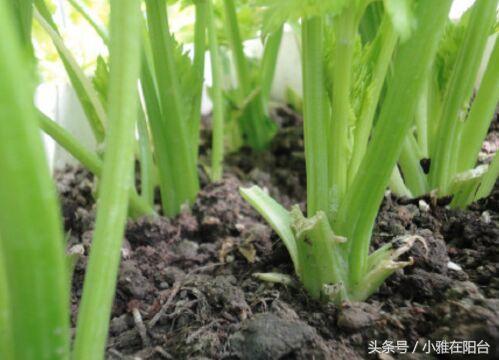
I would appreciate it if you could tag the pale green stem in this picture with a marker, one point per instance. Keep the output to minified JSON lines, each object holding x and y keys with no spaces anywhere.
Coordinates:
{"x":31,"y":238}
{"x":103,"y":264}
{"x":345,"y":30}
{"x":217,"y":155}
{"x":481,"y":114}
{"x":182,"y":168}
{"x":398,"y":186}
{"x":422,"y":122}
{"x":198,"y":68}
{"x":314,"y":117}
{"x":268,"y":67}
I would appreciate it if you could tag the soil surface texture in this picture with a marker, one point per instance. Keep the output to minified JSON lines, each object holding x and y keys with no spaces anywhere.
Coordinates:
{"x":186,"y":286}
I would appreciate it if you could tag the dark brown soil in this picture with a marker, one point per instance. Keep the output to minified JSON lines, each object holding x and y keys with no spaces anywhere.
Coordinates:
{"x":186,"y":288}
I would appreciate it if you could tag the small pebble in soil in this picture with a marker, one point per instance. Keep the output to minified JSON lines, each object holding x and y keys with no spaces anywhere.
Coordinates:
{"x":423,"y":206}
{"x":453,"y":266}
{"x":486,"y":217}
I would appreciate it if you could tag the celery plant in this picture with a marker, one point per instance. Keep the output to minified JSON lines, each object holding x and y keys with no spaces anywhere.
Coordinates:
{"x":330,"y":246}
{"x":458,"y":91}
{"x":252,"y":93}
{"x":445,"y":132}
{"x":169,"y":98}
{"x":34,"y":290}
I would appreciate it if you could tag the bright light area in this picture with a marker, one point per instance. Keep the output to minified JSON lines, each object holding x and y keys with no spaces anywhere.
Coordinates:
{"x":459,"y":7}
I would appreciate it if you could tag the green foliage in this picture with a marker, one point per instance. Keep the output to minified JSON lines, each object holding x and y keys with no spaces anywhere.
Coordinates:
{"x":190,"y":80}
{"x":280,"y":11}
{"x":451,"y":42}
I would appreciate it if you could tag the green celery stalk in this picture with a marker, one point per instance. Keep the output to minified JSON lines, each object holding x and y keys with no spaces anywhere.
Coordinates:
{"x":345,"y":28}
{"x":103,"y":264}
{"x":31,"y":238}
{"x":45,"y":12}
{"x":199,"y":65}
{"x":458,"y":92}
{"x":277,"y":217}
{"x":183,"y":169}
{"x":269,"y":64}
{"x":23,"y":16}
{"x":434,"y":111}
{"x":67,"y":141}
{"x":358,"y":211}
{"x":167,"y":187}
{"x":481,"y":114}
{"x":319,"y":256}
{"x":422,"y":119}
{"x":6,"y":340}
{"x":314,"y":116}
{"x":217,"y":155}
{"x":398,"y":186}
{"x":236,"y":44}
